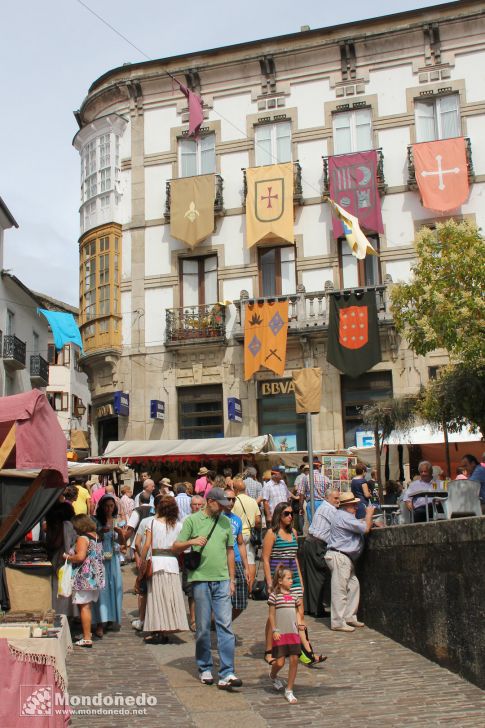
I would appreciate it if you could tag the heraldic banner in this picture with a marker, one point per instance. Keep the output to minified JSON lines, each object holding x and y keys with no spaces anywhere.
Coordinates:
{"x":442,"y":173}
{"x":353,"y":332}
{"x":192,"y":208}
{"x":353,"y":186}
{"x":308,"y":389}
{"x":269,"y":203}
{"x":265,"y":334}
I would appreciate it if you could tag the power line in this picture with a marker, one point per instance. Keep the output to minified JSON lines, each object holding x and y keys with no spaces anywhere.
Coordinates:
{"x":111,"y":27}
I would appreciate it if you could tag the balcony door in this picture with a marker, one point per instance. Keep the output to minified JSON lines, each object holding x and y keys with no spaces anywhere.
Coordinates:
{"x":356,"y":273}
{"x":277,"y":274}
{"x":199,"y":281}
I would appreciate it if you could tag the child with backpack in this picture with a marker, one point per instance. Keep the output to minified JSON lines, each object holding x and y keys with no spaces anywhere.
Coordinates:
{"x":88,"y":576}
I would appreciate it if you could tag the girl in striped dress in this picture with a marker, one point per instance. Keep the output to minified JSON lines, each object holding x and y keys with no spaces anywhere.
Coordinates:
{"x":285,"y":620}
{"x":280,"y":546}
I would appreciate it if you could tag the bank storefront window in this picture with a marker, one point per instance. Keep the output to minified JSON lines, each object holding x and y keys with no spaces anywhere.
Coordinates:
{"x":277,"y":415}
{"x":358,"y":392}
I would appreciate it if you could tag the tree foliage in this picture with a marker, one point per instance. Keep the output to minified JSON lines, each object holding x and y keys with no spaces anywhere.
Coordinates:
{"x":444,"y":305}
{"x":385,"y":416}
{"x":456,"y":399}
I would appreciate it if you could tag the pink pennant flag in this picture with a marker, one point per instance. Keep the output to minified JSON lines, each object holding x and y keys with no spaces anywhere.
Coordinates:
{"x":196,"y":114}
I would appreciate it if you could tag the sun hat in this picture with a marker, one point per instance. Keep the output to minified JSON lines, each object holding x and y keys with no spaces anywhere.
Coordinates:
{"x":218,"y":495}
{"x":203,"y":471}
{"x":348,"y":499}
{"x":165,"y":481}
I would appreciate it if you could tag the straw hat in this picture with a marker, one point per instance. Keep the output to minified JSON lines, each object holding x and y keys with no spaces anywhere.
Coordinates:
{"x":348,"y":499}
{"x":165,"y":481}
{"x":203,"y":471}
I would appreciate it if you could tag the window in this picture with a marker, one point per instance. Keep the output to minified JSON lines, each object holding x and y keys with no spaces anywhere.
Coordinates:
{"x":277,"y":276}
{"x":356,"y":393}
{"x":10,"y":330}
{"x":354,"y":272}
{"x":437,"y":118}
{"x":200,"y":412}
{"x":197,"y":156}
{"x":59,"y":358}
{"x":199,"y":281}
{"x":277,"y":415}
{"x":272,"y":143}
{"x":59,"y":401}
{"x":352,"y":131}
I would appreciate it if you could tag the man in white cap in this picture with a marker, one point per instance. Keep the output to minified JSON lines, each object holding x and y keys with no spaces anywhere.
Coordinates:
{"x":213,"y":585}
{"x":344,"y":546}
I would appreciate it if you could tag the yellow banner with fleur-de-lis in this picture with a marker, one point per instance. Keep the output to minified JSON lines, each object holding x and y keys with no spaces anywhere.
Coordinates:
{"x":192,"y":208}
{"x":265,"y":336}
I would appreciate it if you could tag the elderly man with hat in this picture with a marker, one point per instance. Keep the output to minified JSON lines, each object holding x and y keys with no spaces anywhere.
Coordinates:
{"x":344,"y":546}
{"x":209,"y":532}
{"x":275,"y":491}
{"x":320,"y":485}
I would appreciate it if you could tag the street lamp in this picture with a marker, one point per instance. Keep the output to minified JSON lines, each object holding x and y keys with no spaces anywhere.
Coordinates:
{"x":80,"y":408}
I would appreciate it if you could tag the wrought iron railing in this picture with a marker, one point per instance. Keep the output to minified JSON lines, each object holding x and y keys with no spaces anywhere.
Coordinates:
{"x":413,"y":185}
{"x":309,"y":310}
{"x":297,"y":186}
{"x":381,"y":181}
{"x":13,"y":349}
{"x":190,"y":323}
{"x":218,"y":196}
{"x":39,"y":368}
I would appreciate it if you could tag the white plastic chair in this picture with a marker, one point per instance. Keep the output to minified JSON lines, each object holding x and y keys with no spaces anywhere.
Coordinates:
{"x":405,"y":515}
{"x":463,"y":499}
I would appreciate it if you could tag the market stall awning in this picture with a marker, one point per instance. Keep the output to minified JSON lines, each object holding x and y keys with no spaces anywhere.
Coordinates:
{"x":172,"y":450}
{"x":426,"y":435}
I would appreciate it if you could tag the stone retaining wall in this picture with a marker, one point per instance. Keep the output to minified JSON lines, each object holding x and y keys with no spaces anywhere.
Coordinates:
{"x":423,"y":585}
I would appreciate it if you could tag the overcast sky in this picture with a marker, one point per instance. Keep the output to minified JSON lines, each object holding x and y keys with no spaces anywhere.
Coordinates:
{"x":50,"y":53}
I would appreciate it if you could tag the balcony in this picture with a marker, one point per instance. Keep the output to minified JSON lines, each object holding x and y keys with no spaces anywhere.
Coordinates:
{"x":308,"y":312}
{"x":297,"y":188}
{"x":381,"y":182}
{"x":195,"y":324}
{"x":13,"y":352}
{"x":39,"y":371}
{"x":413,"y":185}
{"x":218,"y":197}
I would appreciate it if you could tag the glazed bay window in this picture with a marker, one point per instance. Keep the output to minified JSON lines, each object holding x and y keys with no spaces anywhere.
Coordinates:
{"x":197,"y":156}
{"x":99,"y":166}
{"x":272,"y":143}
{"x":437,"y":118}
{"x":277,"y":274}
{"x":352,"y":131}
{"x":199,"y":281}
{"x":356,"y":273}
{"x":100,"y":285}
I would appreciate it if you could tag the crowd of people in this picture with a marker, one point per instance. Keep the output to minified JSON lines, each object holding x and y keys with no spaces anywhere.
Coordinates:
{"x":203,"y":541}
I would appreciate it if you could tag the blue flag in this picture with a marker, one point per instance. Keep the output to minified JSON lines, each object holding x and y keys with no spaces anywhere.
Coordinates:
{"x":64,"y":328}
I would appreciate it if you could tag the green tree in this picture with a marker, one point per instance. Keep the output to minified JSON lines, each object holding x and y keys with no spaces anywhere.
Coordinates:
{"x":444,"y":305}
{"x":385,"y":416}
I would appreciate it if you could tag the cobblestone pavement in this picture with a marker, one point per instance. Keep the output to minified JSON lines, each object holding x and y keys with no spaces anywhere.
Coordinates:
{"x":367,"y":680}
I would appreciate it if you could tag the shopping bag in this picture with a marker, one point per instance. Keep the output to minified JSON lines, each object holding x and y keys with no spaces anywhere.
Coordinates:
{"x":64,"y":580}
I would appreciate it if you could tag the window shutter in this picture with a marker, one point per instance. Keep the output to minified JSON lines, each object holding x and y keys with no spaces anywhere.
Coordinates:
{"x":188,"y":158}
{"x":65,"y":401}
{"x":288,"y":277}
{"x":449,"y":116}
{"x":262,"y":144}
{"x":283,"y":142}
{"x":363,"y":130}
{"x":208,"y":154}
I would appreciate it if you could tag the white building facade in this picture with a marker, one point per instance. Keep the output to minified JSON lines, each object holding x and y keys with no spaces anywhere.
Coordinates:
{"x":381,"y":84}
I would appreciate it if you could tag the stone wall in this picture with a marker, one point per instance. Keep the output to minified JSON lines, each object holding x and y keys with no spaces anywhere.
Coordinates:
{"x":423,"y":585}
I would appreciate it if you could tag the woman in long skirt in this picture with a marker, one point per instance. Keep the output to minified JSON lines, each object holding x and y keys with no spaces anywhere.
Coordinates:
{"x":165,"y":612}
{"x":107,"y":611}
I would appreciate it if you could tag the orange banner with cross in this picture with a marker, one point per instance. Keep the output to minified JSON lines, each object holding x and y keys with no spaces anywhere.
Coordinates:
{"x":265,"y":336}
{"x":442,"y":173}
{"x":269,"y":203}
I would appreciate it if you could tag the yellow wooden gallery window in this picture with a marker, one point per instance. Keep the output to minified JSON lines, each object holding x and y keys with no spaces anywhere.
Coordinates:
{"x":99,"y":302}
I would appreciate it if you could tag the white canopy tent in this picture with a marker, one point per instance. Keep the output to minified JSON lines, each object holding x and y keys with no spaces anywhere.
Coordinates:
{"x":136,"y":450}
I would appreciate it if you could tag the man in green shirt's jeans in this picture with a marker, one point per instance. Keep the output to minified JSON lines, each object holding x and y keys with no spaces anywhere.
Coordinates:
{"x":212,"y":586}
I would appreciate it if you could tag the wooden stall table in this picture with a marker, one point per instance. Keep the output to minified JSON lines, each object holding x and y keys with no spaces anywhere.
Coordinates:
{"x":34,"y":680}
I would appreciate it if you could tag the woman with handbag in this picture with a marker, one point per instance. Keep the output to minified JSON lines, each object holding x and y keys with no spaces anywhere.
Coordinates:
{"x":165,"y":610}
{"x":107,"y":611}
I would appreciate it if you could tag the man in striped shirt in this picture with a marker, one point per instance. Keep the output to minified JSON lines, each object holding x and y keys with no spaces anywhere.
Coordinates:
{"x":253,"y":486}
{"x":183,"y":501}
{"x":274,"y":491}
{"x":321,"y":485}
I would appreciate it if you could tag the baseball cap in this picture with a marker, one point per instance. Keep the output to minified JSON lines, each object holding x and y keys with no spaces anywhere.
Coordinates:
{"x":218,"y":495}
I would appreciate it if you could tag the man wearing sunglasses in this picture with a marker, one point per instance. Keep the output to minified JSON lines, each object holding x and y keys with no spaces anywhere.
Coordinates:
{"x":240,"y":595}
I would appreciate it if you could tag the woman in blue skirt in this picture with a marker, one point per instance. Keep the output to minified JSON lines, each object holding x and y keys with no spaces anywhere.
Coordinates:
{"x":107,"y":611}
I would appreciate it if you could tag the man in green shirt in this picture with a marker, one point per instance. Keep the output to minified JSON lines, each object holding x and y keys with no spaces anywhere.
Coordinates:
{"x":209,"y":531}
